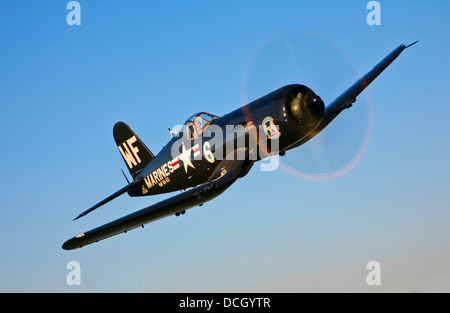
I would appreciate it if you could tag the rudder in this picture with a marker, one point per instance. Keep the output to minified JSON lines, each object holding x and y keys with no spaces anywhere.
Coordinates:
{"x":134,"y":152}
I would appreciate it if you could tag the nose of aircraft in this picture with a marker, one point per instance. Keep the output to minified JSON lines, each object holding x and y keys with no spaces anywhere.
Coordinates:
{"x":308,"y":109}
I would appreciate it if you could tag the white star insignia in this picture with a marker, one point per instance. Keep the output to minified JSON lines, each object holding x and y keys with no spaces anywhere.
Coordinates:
{"x":185,"y":156}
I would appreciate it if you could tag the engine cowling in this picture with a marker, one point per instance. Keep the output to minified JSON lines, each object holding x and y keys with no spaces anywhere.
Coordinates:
{"x":307,"y":108}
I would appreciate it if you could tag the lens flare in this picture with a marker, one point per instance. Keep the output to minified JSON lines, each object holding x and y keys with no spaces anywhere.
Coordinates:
{"x":268,"y":45}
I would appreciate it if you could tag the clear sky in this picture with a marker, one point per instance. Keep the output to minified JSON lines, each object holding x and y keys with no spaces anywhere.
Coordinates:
{"x":152,"y":64}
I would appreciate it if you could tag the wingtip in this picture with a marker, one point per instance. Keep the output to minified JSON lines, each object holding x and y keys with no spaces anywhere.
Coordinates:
{"x":81,"y":215}
{"x":412,"y":44}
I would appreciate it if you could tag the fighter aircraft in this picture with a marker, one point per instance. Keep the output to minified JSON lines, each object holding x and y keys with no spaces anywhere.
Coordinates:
{"x":203,"y":159}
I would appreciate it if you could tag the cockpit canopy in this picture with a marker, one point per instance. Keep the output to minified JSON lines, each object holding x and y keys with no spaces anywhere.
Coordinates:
{"x":197,"y":123}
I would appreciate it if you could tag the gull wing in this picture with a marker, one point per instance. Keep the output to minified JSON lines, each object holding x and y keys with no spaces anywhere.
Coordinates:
{"x":226,"y":174}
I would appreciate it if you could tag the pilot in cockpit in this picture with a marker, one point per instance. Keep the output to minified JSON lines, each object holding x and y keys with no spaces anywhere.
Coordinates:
{"x":198,"y":128}
{"x":197,"y":123}
{"x":190,"y":130}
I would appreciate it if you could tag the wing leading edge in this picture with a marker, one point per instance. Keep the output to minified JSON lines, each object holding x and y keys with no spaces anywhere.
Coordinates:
{"x":348,"y":97}
{"x":229,"y":173}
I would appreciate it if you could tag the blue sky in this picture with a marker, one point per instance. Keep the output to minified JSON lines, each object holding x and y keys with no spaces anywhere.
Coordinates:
{"x":152,"y":65}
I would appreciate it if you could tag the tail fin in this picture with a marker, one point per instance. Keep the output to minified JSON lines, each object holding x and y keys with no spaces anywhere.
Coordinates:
{"x":135,"y":154}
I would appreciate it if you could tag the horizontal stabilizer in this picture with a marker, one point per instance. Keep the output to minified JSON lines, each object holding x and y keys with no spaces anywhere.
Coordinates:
{"x":111,"y":197}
